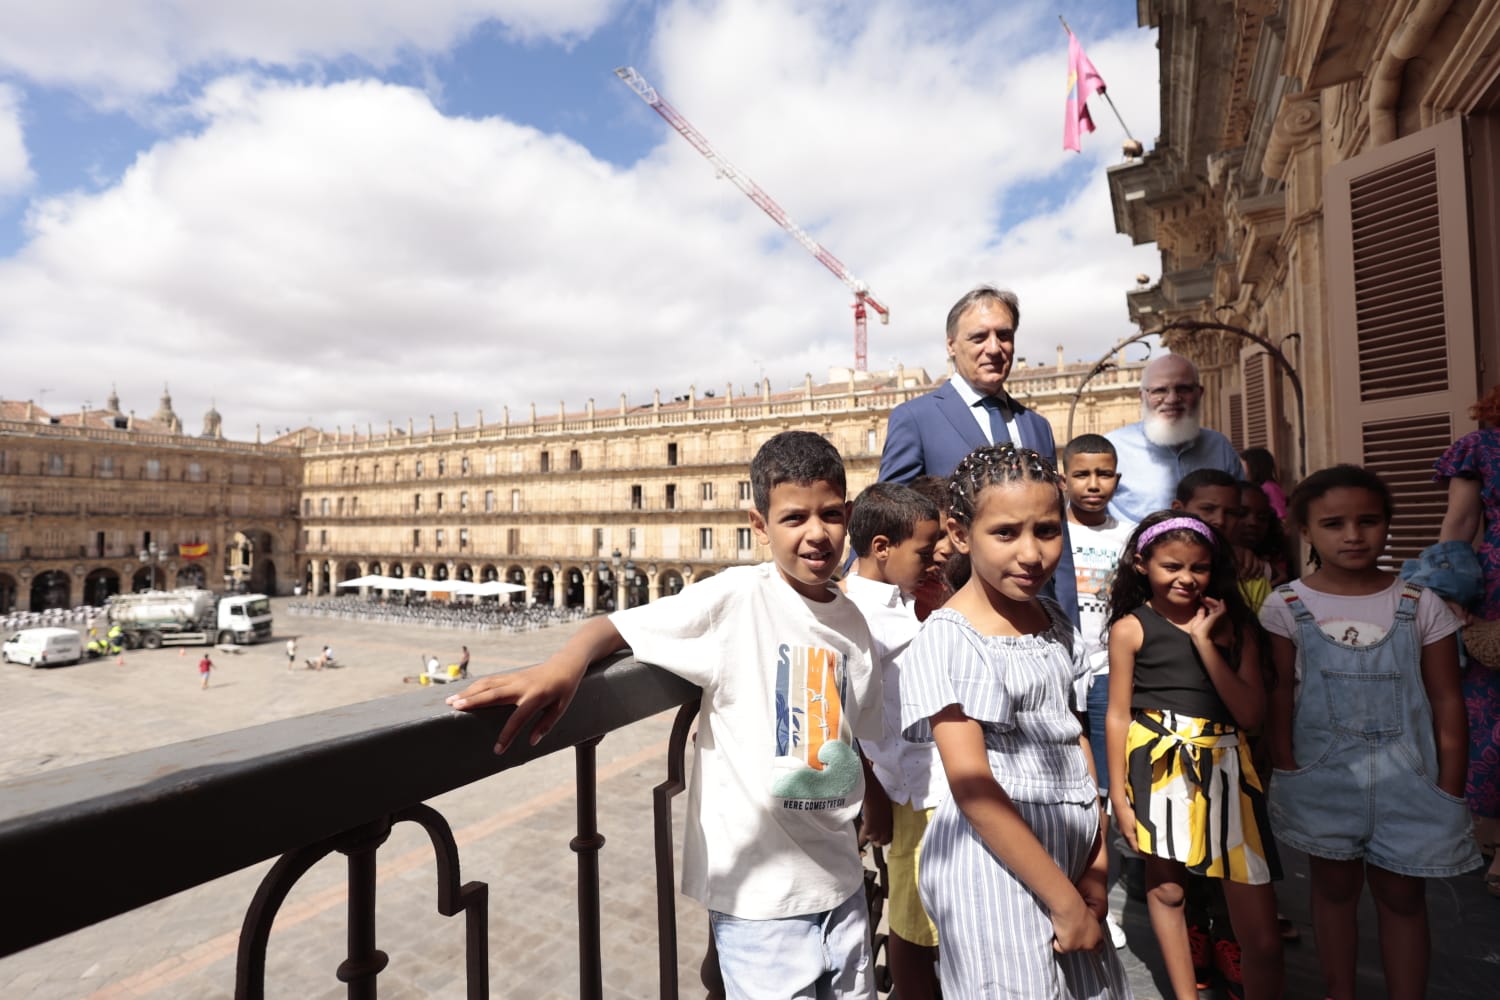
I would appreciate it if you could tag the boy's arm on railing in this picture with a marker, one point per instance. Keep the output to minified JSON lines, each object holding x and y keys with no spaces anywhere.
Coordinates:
{"x":546,"y":688}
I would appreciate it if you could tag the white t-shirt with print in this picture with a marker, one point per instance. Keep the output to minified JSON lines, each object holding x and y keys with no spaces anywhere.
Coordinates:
{"x":1096,"y":553}
{"x":1357,"y":620}
{"x":788,"y":685}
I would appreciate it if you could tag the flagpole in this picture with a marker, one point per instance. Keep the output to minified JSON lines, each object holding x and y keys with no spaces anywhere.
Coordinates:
{"x":1133,"y":147}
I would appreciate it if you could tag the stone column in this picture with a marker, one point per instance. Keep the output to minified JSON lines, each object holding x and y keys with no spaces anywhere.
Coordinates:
{"x":590,"y":589}
{"x":559,"y":586}
{"x":530,"y":583}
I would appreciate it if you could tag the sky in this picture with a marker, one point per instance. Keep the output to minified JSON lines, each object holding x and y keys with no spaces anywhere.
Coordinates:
{"x":359,"y":211}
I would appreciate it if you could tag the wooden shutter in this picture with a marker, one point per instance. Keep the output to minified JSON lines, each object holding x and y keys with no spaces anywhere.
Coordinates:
{"x":1402,"y":352}
{"x":1258,"y":378}
{"x":1237,"y":421}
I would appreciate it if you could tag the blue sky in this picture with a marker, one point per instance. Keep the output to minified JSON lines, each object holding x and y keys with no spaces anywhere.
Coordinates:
{"x":389,"y":209}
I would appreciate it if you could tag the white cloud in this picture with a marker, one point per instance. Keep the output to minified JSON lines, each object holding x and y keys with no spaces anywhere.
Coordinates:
{"x":347,"y":254}
{"x":15,"y":165}
{"x":118,"y":52}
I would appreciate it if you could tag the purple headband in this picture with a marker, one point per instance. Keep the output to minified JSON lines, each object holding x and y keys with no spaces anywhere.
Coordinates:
{"x":1174,"y":524}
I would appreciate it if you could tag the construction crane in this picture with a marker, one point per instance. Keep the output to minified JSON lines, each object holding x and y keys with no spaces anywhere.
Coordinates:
{"x":862,"y":296}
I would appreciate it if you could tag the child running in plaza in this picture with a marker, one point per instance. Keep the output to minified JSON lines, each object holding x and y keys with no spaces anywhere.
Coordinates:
{"x":1184,"y":682}
{"x":895,"y":532}
{"x":789,"y":682}
{"x":1096,"y":536}
{"x":1369,"y":734}
{"x":1013,"y":865}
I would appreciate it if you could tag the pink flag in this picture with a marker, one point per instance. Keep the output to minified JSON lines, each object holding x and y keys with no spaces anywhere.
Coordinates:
{"x":1084,"y":82}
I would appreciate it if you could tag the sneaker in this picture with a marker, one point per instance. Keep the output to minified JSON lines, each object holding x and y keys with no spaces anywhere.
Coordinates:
{"x":1227,"y":963}
{"x":1203,"y":957}
{"x":1116,"y":932}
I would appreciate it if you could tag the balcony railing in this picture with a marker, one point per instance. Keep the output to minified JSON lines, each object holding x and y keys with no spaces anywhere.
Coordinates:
{"x":82,"y":844}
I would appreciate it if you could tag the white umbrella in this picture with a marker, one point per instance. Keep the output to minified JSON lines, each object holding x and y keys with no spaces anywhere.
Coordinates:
{"x":493,"y":587}
{"x":364,"y":581}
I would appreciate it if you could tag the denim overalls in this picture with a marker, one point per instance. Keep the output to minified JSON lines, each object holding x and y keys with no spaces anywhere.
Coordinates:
{"x":1362,"y":733}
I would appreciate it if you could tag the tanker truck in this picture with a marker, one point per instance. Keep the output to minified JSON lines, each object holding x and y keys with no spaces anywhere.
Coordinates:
{"x":188,"y":617}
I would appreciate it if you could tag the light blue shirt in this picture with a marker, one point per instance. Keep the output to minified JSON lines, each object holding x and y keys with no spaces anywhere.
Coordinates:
{"x":975,"y":401}
{"x":1149,"y":473}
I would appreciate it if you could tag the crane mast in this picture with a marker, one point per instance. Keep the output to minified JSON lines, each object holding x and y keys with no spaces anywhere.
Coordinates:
{"x":752,"y":190}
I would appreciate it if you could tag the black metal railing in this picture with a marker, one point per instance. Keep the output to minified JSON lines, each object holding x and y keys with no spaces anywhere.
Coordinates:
{"x":82,"y":844}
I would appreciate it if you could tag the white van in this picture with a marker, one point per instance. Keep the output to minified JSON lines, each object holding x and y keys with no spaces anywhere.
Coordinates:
{"x":43,"y":647}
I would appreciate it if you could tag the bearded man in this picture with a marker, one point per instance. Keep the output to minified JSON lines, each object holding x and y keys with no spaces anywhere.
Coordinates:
{"x":1168,"y":442}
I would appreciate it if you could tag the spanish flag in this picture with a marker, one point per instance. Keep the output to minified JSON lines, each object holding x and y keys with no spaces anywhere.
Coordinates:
{"x":194,"y":550}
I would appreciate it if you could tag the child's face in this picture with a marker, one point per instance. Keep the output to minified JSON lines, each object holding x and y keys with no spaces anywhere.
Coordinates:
{"x":1178,"y":572}
{"x":1091,"y":481}
{"x":804,"y":526}
{"x":1015,"y":541}
{"x":1347,"y":527}
{"x":1257,"y":519}
{"x":1218,"y":506}
{"x":915,"y":559}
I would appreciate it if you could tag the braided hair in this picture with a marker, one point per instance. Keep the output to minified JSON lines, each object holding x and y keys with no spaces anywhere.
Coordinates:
{"x":997,"y":465}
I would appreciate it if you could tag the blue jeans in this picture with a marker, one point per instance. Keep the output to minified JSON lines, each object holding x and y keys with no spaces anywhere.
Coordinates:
{"x":1097,"y":705}
{"x":816,"y":956}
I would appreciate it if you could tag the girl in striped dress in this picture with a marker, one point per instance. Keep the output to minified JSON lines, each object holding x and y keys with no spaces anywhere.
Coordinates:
{"x":1013,"y":866}
{"x":1184,"y":681}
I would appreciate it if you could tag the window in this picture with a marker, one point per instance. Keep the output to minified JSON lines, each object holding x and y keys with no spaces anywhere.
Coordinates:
{"x":306,"y":537}
{"x":307,"y":506}
{"x":323,"y":506}
{"x":463,"y":466}
{"x":442,"y":466}
{"x":151,"y":470}
{"x":705,"y":539}
{"x":489,"y":501}
{"x":239,"y":474}
{"x":672,"y":453}
{"x":437,"y":538}
{"x":463,"y":538}
{"x":340,"y":507}
{"x":546,"y":463}
{"x":463,"y":500}
{"x":635,"y":497}
{"x":416,"y":502}
{"x":323,"y":539}
{"x":632,"y":537}
{"x":353,"y":506}
{"x":515,"y":501}
{"x":706,"y":491}
{"x":106,"y":467}
{"x":377,"y":472}
{"x":746,"y":494}
{"x":273,"y":475}
{"x":671,"y":496}
{"x":598,"y":541}
{"x":418,"y":470}
{"x":575,"y":460}
{"x":743,"y":540}
{"x":439,"y":501}
{"x":512,"y":541}
{"x":416,"y":538}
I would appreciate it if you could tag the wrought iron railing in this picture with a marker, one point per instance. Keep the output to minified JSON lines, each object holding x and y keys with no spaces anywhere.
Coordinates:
{"x":82,"y":844}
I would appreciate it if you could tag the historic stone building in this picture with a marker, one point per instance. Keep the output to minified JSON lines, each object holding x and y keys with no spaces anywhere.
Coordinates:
{"x":1326,"y":178}
{"x":602,"y":507}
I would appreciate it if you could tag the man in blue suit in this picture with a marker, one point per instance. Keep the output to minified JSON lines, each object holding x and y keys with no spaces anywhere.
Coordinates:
{"x":930,"y":435}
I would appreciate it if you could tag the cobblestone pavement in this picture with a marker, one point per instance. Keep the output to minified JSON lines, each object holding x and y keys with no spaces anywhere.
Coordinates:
{"x":512,"y":829}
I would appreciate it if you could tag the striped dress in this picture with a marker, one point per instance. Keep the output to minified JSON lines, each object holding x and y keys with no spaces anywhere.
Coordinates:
{"x":996,"y":936}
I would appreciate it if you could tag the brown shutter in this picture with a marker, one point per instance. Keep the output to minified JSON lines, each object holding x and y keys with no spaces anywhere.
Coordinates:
{"x":1237,"y":421}
{"x":1255,"y":375}
{"x":1401,"y":317}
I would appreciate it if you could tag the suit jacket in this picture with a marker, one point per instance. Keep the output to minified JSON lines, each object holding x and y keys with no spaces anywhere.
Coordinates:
{"x":930,"y":435}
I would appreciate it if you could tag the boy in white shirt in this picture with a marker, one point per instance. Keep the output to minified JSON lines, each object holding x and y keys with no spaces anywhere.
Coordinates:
{"x":895,"y":531}
{"x":789,"y":682}
{"x":1096,"y":536}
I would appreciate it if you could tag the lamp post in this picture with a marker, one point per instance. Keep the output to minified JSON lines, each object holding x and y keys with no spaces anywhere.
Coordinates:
{"x":151,"y":557}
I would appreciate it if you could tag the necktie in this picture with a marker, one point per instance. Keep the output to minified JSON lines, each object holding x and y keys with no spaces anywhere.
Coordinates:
{"x":999,"y":433}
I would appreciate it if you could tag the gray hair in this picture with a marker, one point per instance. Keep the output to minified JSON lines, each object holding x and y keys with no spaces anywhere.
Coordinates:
{"x":983,"y":293}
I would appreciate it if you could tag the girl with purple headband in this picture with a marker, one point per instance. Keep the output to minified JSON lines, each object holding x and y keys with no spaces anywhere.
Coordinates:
{"x":1184,"y":682}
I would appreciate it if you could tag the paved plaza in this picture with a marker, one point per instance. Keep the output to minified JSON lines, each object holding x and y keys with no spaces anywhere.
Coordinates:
{"x":512,"y":829}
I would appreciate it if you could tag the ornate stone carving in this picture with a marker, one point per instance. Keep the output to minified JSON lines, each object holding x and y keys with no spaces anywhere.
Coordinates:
{"x":1298,"y":124}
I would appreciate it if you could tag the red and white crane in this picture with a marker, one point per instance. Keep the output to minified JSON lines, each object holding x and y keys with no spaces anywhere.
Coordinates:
{"x":862,"y":296}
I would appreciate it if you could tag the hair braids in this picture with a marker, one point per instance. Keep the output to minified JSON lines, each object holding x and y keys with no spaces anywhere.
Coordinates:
{"x":997,"y":465}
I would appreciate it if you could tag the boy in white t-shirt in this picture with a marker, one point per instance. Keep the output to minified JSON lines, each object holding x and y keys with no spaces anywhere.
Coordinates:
{"x":1097,"y":537}
{"x":895,"y":532}
{"x":789,"y":683}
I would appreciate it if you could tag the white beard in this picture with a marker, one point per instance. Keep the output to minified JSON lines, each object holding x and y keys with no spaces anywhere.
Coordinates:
{"x":1170,"y":433}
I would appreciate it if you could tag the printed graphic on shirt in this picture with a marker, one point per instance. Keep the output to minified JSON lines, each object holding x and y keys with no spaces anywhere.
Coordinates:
{"x":1349,"y":632}
{"x":1091,"y":568}
{"x":816,"y":766}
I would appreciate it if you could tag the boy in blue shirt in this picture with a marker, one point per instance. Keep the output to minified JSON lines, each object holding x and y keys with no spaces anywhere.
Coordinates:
{"x":789,"y":682}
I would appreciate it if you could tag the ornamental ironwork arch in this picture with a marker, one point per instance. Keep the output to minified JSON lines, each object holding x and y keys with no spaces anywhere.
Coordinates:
{"x":1272,"y":350}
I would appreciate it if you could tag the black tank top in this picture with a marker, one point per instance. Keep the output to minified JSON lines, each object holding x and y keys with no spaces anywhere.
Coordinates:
{"x":1169,"y":673}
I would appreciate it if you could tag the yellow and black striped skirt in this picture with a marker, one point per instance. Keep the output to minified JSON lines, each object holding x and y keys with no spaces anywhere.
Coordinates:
{"x":1197,"y":798}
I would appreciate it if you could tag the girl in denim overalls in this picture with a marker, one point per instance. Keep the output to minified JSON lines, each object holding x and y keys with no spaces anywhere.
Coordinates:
{"x":1369,"y":737}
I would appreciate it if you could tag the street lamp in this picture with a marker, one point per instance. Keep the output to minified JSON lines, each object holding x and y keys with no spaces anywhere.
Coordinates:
{"x":151,"y":556}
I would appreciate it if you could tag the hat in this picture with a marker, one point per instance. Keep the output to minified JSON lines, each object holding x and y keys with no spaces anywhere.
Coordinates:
{"x":1482,"y":640}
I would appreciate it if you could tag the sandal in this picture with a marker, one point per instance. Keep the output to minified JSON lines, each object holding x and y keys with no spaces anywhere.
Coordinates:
{"x":1289,"y":931}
